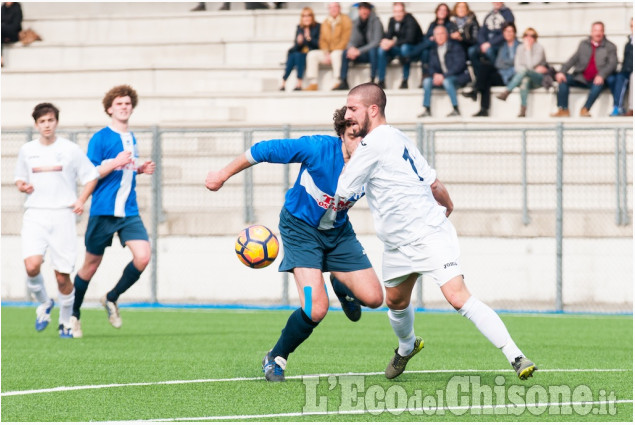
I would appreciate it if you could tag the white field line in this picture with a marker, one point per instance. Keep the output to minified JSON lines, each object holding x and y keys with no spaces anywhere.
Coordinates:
{"x":260,"y":378}
{"x":378,"y":411}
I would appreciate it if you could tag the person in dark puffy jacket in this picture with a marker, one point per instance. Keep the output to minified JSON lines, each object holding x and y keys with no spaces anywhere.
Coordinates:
{"x":11,"y":23}
{"x":622,"y":80}
{"x":307,"y":37}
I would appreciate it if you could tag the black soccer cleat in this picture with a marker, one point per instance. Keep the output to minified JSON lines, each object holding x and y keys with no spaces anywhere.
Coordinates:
{"x":351,"y":306}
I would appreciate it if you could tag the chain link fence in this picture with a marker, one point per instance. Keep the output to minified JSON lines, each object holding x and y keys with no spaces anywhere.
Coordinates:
{"x":544,"y":214}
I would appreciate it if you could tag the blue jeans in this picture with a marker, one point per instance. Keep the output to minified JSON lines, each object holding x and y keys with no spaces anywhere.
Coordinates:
{"x":295,"y":60}
{"x":406,"y":53}
{"x":620,"y":85}
{"x":449,"y":84}
{"x":594,"y":93}
{"x":527,"y":80}
{"x":367,"y":57}
{"x":426,"y":46}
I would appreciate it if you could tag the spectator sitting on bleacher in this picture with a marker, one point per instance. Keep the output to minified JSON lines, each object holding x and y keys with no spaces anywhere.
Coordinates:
{"x":441,"y":17}
{"x":362,"y":47}
{"x":448,"y":65}
{"x":624,"y":80}
{"x":467,"y":27}
{"x":11,"y":24}
{"x":498,"y":74}
{"x":307,"y":37}
{"x":335,"y":32}
{"x":530,"y":65}
{"x":593,"y":64}
{"x":402,"y":40}
{"x":490,"y":36}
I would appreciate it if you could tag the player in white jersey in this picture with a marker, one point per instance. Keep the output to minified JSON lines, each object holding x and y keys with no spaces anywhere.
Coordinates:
{"x":410,"y":208}
{"x":47,"y":170}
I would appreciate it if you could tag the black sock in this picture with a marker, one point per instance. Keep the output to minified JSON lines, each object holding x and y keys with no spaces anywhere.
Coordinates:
{"x":343,"y":290}
{"x":128,"y":278}
{"x":81,"y":286}
{"x":298,"y":328}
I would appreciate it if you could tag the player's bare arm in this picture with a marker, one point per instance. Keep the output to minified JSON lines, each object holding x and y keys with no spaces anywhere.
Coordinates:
{"x":78,"y":206}
{"x":216,"y":179}
{"x":24,"y":186}
{"x":442,"y":196}
{"x":123,"y":158}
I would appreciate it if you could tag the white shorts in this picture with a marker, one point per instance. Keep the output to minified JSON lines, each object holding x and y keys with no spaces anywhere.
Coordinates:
{"x":54,"y":229}
{"x":436,"y":255}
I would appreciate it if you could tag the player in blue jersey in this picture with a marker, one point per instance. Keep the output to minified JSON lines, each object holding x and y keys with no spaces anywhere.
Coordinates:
{"x":316,"y":233}
{"x":114,"y":209}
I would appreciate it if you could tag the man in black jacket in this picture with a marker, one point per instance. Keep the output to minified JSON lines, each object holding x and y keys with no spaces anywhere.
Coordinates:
{"x":404,"y":40}
{"x":11,"y":23}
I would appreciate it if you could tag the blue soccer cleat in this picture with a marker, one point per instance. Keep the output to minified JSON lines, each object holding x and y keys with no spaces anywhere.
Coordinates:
{"x":274,"y":368}
{"x":43,"y":315}
{"x":350,"y":305}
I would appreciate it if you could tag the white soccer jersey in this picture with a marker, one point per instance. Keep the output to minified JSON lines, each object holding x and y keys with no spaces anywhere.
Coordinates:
{"x":53,"y":170}
{"x":396,"y":178}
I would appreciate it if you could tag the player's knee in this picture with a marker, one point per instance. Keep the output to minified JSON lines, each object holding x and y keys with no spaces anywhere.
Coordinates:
{"x":32,"y":268}
{"x":318,"y":312}
{"x":375,"y":300}
{"x":397,"y":304}
{"x":142,"y":260}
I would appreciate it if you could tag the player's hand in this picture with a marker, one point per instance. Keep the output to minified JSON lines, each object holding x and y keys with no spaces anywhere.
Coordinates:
{"x":327,"y":58}
{"x":352,"y":53}
{"x":26,"y":188}
{"x":386,"y":44}
{"x":214,"y":180}
{"x":123,"y":158}
{"x":147,"y":167}
{"x":598,"y":80}
{"x":78,"y":207}
{"x":485,"y":47}
{"x":437,"y":79}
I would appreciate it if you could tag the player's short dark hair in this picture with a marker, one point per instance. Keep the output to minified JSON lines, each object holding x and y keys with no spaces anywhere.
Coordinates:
{"x":365,"y":5}
{"x":42,"y":109}
{"x":372,"y":94}
{"x":339,"y":122}
{"x":119,"y":91}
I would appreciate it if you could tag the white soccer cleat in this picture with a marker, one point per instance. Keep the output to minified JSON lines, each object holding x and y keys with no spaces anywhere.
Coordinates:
{"x":76,"y":327}
{"x":113,"y":312}
{"x":43,"y":315}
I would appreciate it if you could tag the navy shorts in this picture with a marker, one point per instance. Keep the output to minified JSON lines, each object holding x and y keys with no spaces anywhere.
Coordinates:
{"x":327,"y":250}
{"x":101,"y":229}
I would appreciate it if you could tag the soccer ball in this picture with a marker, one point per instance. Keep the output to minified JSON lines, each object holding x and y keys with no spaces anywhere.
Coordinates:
{"x":257,"y":247}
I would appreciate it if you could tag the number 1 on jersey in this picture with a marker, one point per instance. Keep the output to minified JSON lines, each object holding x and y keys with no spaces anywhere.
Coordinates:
{"x":408,"y":158}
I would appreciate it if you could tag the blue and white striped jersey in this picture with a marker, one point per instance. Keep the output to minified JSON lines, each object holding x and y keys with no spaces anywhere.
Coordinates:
{"x":115,"y":193}
{"x":312,"y":198}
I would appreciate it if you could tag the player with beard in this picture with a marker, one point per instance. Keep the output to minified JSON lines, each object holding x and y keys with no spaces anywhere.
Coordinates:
{"x":410,"y":207}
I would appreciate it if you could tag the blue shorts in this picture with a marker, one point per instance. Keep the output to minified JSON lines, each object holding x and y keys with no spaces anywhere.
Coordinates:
{"x":101,"y":229}
{"x":327,"y":250}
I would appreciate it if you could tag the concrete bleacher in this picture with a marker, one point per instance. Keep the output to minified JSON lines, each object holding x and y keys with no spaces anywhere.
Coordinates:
{"x":223,"y":68}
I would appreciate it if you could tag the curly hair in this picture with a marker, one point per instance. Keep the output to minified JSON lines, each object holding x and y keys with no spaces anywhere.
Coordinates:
{"x":42,"y":109}
{"x":119,"y":91}
{"x":339,"y":122}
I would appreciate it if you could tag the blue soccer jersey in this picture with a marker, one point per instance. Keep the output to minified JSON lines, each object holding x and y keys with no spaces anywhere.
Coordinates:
{"x":115,"y":193}
{"x":312,"y":198}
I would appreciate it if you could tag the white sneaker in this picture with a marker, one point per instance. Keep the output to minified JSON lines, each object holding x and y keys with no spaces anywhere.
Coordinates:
{"x":43,"y":315}
{"x":65,"y":331}
{"x":113,"y":312}
{"x":76,"y":327}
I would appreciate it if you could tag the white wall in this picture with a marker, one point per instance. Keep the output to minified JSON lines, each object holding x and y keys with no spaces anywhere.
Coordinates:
{"x":506,"y":273}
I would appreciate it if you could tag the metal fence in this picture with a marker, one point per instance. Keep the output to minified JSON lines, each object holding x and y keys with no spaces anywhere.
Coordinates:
{"x":568,"y":185}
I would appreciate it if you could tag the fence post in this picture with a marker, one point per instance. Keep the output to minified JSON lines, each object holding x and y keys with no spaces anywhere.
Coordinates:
{"x":286,"y":132}
{"x":523,"y":159}
{"x":559,"y":214}
{"x":249,"y":182}
{"x":624,"y":218}
{"x":156,"y":212}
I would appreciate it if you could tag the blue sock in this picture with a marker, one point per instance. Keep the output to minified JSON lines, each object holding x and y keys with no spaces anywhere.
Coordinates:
{"x":128,"y":278}
{"x":343,"y":290}
{"x":298,"y":328}
{"x":81,"y":286}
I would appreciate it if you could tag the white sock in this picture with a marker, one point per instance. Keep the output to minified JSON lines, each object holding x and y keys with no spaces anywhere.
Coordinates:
{"x":403,"y":323}
{"x":66,"y":307}
{"x":36,"y":287}
{"x":490,"y":325}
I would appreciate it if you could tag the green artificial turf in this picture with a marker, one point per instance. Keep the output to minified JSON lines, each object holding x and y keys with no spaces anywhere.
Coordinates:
{"x":199,"y":348}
